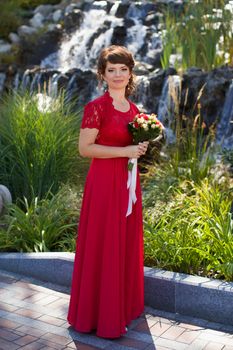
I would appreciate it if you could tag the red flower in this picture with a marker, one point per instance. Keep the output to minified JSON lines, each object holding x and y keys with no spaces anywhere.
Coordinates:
{"x":144,"y":116}
{"x":136,"y":125}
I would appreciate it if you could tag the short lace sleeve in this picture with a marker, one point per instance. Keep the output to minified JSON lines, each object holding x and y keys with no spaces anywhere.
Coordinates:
{"x":91,"y":117}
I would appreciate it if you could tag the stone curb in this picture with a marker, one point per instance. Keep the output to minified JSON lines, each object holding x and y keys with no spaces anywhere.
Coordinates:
{"x":194,"y":296}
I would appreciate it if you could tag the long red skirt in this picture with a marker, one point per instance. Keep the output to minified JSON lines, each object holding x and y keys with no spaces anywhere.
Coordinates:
{"x":108,"y":281}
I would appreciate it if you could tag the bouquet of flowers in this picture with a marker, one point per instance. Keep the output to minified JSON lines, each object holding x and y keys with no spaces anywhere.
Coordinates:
{"x":144,"y":127}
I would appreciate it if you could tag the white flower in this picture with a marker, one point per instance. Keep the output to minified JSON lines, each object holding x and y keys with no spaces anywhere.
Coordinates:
{"x":153,"y":126}
{"x":140,"y":120}
{"x":145,"y":127}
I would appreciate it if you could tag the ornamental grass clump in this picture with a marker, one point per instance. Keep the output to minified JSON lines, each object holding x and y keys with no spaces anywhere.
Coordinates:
{"x":38,"y":145}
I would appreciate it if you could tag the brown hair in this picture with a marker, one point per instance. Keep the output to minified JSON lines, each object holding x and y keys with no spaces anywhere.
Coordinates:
{"x":117,"y":54}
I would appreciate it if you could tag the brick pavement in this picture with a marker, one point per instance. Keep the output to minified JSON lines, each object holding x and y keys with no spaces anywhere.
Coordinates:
{"x":33,"y":316}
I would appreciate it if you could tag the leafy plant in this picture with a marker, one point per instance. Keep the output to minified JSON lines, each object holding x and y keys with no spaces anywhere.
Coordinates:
{"x":43,"y":225}
{"x":38,"y":145}
{"x":193,"y":232}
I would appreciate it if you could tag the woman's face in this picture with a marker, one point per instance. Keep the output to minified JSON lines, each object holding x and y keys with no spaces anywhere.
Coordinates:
{"x":117,"y":75}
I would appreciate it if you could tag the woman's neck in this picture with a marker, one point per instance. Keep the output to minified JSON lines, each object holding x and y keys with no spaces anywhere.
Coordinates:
{"x":118,"y":96}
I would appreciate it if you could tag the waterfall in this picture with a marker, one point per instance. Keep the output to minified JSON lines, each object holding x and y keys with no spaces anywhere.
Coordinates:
{"x":83,"y":46}
{"x":169,"y":104}
{"x":224,"y":135}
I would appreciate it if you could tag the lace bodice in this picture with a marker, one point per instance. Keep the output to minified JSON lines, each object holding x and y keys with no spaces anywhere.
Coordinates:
{"x":111,"y":123}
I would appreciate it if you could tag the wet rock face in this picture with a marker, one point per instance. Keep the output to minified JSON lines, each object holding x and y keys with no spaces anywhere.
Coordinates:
{"x":33,"y":51}
{"x":73,"y":20}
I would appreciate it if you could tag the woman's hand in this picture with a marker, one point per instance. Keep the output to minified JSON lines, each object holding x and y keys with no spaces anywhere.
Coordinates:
{"x":136,"y":151}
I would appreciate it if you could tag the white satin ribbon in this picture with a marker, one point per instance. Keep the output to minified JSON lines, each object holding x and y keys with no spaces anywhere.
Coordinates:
{"x":131,"y":185}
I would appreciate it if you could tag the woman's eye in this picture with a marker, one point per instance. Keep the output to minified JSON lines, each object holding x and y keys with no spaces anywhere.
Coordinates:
{"x":110,"y":70}
{"x":124,"y":69}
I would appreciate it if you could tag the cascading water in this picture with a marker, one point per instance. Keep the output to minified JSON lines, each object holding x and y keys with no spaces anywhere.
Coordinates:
{"x":168,"y":104}
{"x":225,"y":126}
{"x":78,"y":51}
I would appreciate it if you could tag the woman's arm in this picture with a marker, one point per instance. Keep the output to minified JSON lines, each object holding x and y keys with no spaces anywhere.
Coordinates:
{"x":88,"y":148}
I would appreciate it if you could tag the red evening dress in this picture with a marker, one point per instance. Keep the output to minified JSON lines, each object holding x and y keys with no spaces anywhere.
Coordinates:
{"x":108,"y":282}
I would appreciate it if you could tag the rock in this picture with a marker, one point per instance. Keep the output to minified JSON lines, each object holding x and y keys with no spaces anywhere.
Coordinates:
{"x":119,"y":35}
{"x":1,"y":205}
{"x":70,"y":8}
{"x":142,"y":68}
{"x":26,"y":31}
{"x":54,"y":27}
{"x":14,"y":38}
{"x":37,"y":20}
{"x":57,"y":15}
{"x":5,"y":198}
{"x":73,"y":20}
{"x":154,"y":57}
{"x":122,"y":10}
{"x":2,"y":81}
{"x":32,"y":53}
{"x":5,"y":47}
{"x":151,"y":19}
{"x":44,"y":10}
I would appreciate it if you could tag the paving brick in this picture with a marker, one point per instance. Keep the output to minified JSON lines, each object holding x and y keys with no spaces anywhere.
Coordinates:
{"x":28,"y":313}
{"x":32,"y":346}
{"x":32,"y":331}
{"x":215,"y":338}
{"x":27,"y":339}
{"x":8,"y":324}
{"x":35,"y":297}
{"x":8,"y":345}
{"x":197,"y":344}
{"x":170,"y":344}
{"x":51,"y":344}
{"x":173,"y":332}
{"x":52,"y":320}
{"x":188,"y":336}
{"x":159,"y":328}
{"x":214,"y":346}
{"x":8,"y":307}
{"x":56,"y":338}
{"x":8,"y":335}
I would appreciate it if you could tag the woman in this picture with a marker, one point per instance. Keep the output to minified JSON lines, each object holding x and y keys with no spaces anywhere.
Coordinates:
{"x":107,"y":288}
